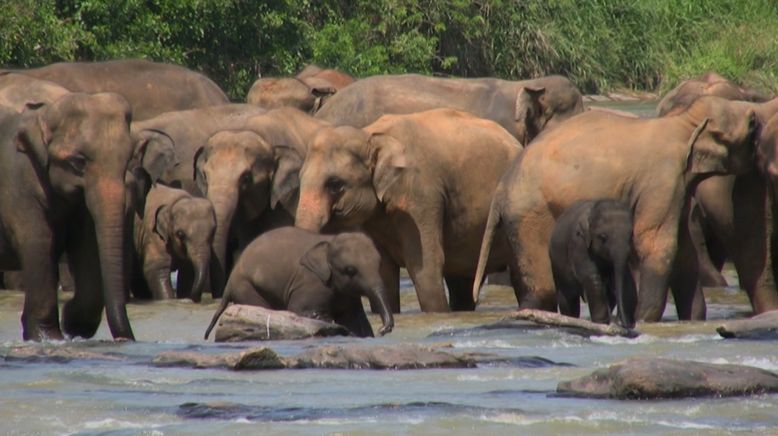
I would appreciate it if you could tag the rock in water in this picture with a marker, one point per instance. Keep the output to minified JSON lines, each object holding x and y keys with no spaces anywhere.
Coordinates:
{"x":575,"y":325}
{"x":378,"y":357}
{"x":762,"y":326}
{"x":650,"y":378}
{"x":251,"y":323}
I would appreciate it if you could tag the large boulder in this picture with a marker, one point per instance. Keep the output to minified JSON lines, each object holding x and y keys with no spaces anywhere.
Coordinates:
{"x":762,"y":326}
{"x":251,"y":323}
{"x":650,"y":378}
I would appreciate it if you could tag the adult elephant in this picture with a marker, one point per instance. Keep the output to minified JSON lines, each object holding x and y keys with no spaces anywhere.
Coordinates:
{"x":650,"y":164}
{"x":151,"y":88}
{"x":62,"y":170}
{"x":524,"y":108}
{"x":711,"y":83}
{"x":420,"y":186}
{"x":307,"y":91}
{"x":738,"y":212}
{"x":251,"y":177}
{"x":166,"y":144}
{"x":19,"y":92}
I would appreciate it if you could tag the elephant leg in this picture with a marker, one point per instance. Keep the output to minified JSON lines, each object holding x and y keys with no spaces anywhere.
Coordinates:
{"x":529,"y":263}
{"x":40,"y":316}
{"x":82,"y":314}
{"x":66,"y":283}
{"x":709,"y":273}
{"x":568,"y":293}
{"x":185,"y":280}
{"x":460,"y":293}
{"x":352,"y":316}
{"x":390,"y":275}
{"x":656,"y":251}
{"x":156,"y":271}
{"x":684,"y":281}
{"x":422,"y":247}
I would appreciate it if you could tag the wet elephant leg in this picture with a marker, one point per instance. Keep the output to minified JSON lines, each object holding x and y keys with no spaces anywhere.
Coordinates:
{"x":460,"y":293}
{"x":709,"y":273}
{"x":390,"y":275}
{"x":684,"y":281}
{"x":530,"y":265}
{"x":156,"y":271}
{"x":656,"y":251}
{"x":185,"y":281}
{"x":40,"y":316}
{"x":83,"y":313}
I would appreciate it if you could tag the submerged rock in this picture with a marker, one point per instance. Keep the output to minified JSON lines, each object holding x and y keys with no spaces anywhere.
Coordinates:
{"x":762,"y":326}
{"x":378,"y":357}
{"x":575,"y":325}
{"x":650,"y":378}
{"x":55,"y":354}
{"x":252,"y":359}
{"x":251,"y":323}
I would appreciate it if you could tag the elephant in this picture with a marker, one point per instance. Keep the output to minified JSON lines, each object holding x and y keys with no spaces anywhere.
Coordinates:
{"x":173,"y":231}
{"x":19,"y":92}
{"x":251,"y":177}
{"x":307,"y":91}
{"x":62,"y":170}
{"x":590,"y":250}
{"x":315,"y":276}
{"x":711,"y":83}
{"x":166,"y":145}
{"x":650,"y":164}
{"x":523,"y":108}
{"x":419,"y":185}
{"x":151,"y":88}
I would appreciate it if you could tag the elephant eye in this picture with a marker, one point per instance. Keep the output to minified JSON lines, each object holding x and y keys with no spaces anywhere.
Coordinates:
{"x":603,"y":237}
{"x":77,"y":162}
{"x":180,"y":234}
{"x":350,"y":271}
{"x":335,"y":186}
{"x":245,"y":178}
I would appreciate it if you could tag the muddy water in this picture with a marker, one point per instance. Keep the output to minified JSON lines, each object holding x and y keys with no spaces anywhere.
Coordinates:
{"x":128,"y":396}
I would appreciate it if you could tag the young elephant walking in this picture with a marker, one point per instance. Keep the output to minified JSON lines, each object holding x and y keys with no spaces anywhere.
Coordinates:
{"x":316,"y":276}
{"x":590,"y":250}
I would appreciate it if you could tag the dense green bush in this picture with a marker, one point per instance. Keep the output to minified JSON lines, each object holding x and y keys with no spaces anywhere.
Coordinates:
{"x":599,"y":44}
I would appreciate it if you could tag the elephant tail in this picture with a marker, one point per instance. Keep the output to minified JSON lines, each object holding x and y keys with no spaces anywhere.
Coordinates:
{"x":222,"y":307}
{"x":486,"y":246}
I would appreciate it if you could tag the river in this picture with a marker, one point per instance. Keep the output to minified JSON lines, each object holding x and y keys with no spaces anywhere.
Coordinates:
{"x":129,"y":396}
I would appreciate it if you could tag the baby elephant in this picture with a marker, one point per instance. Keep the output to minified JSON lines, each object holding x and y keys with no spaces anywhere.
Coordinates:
{"x":590,"y":250}
{"x":315,"y":276}
{"x":175,"y":232}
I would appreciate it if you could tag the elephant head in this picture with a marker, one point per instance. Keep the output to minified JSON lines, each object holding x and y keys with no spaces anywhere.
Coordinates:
{"x":350,"y":263}
{"x":530,"y":113}
{"x":304,"y":94}
{"x":608,"y":236}
{"x":187,"y":226}
{"x":724,"y":140}
{"x":154,"y":152}
{"x":346,"y":174}
{"x":81,"y":146}
{"x":239,"y":172}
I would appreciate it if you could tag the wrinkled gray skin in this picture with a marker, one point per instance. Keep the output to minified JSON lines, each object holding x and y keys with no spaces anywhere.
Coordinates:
{"x":151,"y":88}
{"x":62,"y":170}
{"x":166,"y":145}
{"x":683,"y":95}
{"x":307,"y":91}
{"x":18,"y":91}
{"x":175,"y":232}
{"x":251,"y":177}
{"x":316,"y":276}
{"x":524,"y":108}
{"x":590,"y":250}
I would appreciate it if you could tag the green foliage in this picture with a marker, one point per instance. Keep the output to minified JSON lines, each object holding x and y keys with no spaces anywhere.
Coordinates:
{"x":599,"y":44}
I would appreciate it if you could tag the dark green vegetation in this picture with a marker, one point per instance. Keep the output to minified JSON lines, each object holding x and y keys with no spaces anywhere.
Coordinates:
{"x":599,"y":44}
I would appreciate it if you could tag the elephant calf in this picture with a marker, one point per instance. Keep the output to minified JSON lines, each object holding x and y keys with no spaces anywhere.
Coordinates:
{"x":312,"y":275}
{"x":590,"y":250}
{"x":175,"y":232}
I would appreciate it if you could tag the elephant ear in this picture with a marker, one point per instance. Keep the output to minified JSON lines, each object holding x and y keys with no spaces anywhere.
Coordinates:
{"x":705,"y":154}
{"x":528,"y":103}
{"x":389,"y":162}
{"x":200,"y":157}
{"x":155,"y":152}
{"x":316,"y":260}
{"x":162,"y":221}
{"x":320,"y":89}
{"x":34,"y":135}
{"x":141,"y":185}
{"x":286,"y":178}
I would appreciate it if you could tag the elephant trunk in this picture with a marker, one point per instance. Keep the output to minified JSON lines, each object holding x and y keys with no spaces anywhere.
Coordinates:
{"x":200,"y":266}
{"x":106,"y":205}
{"x":626,"y":292}
{"x":225,"y":201}
{"x":313,"y":211}
{"x":378,"y":298}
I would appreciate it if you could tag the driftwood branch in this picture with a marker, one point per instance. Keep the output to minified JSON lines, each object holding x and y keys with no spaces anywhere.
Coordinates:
{"x":581,"y":325}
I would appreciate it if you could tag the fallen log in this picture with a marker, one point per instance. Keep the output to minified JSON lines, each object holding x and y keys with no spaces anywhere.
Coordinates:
{"x":762,"y":326}
{"x":251,"y":323}
{"x":579,"y":326}
{"x":653,"y":378}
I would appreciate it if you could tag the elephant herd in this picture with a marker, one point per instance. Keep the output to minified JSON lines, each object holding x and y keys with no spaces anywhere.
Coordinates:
{"x":321,"y":187}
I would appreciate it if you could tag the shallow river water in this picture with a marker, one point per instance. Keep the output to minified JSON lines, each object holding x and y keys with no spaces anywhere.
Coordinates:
{"x":130,"y":396}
